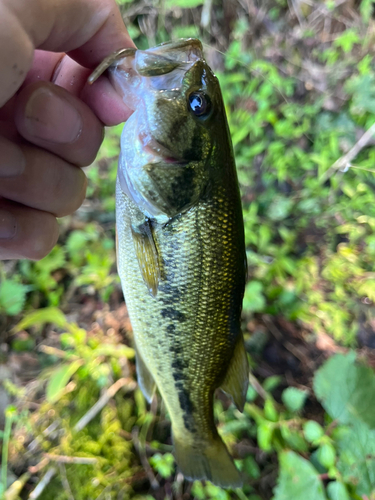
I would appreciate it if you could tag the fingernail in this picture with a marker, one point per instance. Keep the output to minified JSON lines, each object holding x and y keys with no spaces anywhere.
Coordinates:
{"x":12,"y":160}
{"x":52,"y":118}
{"x":8,"y":225}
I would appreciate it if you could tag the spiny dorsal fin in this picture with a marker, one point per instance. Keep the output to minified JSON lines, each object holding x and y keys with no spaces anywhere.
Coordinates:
{"x":147,"y":255}
{"x":145,"y":379}
{"x":237,"y":378}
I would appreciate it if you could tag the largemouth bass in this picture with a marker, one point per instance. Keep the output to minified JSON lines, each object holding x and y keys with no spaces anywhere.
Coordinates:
{"x":181,"y":251}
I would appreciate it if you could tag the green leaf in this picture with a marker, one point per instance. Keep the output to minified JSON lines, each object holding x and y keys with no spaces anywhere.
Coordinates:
{"x":326,"y":455}
{"x":272,"y":383}
{"x":366,"y":9}
{"x":183,"y":4}
{"x":251,"y":467}
{"x":215,"y":492}
{"x":294,"y":398}
{"x":270,"y":411}
{"x":346,"y":389}
{"x":346,"y":41}
{"x":264,"y":436}
{"x":356,"y":457}
{"x":60,"y":379}
{"x":254,"y":299}
{"x":298,"y":479}
{"x":12,"y":297}
{"x":337,"y":491}
{"x":42,"y":316}
{"x":293,"y":438}
{"x":197,"y":490}
{"x":280,"y":208}
{"x":163,"y":464}
{"x":313,"y":431}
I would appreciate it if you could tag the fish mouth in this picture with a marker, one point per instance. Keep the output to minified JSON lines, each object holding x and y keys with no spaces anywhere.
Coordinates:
{"x":157,"y":150}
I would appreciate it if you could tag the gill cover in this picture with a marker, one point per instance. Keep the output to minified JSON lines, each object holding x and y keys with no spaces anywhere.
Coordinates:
{"x":163,"y":146}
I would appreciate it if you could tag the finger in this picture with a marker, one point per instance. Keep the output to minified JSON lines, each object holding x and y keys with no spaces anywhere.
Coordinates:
{"x":40,"y":180}
{"x":105,"y":102}
{"x":44,"y":66}
{"x":62,"y":26}
{"x":25,"y":233}
{"x":53,"y":119}
{"x":101,"y":97}
{"x":60,"y":69}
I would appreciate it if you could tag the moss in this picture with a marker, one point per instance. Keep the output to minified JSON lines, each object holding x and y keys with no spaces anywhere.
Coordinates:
{"x":102,"y":439}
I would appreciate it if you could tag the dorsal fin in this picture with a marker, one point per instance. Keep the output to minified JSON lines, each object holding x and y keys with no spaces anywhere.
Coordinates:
{"x":147,"y":255}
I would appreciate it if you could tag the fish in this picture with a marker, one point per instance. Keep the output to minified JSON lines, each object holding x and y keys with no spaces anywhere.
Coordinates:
{"x":181,"y":248}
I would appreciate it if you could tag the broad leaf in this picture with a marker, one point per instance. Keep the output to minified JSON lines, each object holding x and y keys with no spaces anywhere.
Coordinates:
{"x":12,"y":297}
{"x":294,"y":398}
{"x":298,"y":479}
{"x":337,"y":491}
{"x":357,"y":457}
{"x":346,"y":389}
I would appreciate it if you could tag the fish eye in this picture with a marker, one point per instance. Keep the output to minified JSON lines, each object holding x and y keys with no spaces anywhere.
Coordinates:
{"x":200,"y":104}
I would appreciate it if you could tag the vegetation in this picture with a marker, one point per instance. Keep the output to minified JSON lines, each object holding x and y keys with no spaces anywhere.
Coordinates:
{"x":298,"y":80}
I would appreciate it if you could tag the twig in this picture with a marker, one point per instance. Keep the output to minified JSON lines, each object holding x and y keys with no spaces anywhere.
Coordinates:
{"x":167,"y":448}
{"x":256,"y":385}
{"x":59,"y":353}
{"x":103,"y":400}
{"x":65,"y":482}
{"x":38,"y":490}
{"x":343,"y":163}
{"x":142,"y":456}
{"x":272,"y":328}
{"x":12,"y":493}
{"x":288,"y":346}
{"x":33,"y":469}
{"x":103,"y":493}
{"x":62,"y":459}
{"x":49,"y":430}
{"x":295,"y":8}
{"x":331,"y":427}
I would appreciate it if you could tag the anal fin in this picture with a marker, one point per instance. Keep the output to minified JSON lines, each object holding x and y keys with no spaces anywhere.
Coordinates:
{"x":236,"y":380}
{"x":145,"y":379}
{"x":147,"y":255}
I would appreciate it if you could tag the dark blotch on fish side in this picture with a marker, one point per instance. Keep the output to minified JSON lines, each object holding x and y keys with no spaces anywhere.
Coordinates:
{"x":173,"y":314}
{"x":170,"y":328}
{"x":179,"y":364}
{"x":177,"y":376}
{"x":181,"y":194}
{"x":171,"y":294}
{"x":176,"y":348}
{"x":190,"y":154}
{"x":186,"y":405}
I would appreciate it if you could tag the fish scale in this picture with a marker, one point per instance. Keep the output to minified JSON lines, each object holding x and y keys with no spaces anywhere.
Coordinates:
{"x":181,"y":251}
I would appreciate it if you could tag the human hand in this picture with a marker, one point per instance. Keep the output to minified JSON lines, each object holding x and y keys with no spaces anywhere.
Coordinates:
{"x":51,"y":121}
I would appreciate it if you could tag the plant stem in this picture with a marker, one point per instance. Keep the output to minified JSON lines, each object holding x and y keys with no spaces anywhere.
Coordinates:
{"x":4,"y":458}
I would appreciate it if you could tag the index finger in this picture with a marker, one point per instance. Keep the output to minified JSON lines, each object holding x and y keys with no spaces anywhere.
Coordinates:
{"x":88,"y":30}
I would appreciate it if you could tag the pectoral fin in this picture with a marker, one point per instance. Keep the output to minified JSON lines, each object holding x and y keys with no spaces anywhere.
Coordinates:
{"x":237,"y":378}
{"x":147,"y":255}
{"x":145,"y":379}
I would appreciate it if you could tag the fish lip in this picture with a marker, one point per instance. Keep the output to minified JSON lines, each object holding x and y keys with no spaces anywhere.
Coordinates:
{"x":154,"y":147}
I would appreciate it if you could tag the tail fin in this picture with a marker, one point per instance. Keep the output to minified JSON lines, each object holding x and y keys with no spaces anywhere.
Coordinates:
{"x":211,"y":461}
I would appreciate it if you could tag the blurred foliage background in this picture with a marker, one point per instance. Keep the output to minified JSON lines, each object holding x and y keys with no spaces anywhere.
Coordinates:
{"x":298,"y":79}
